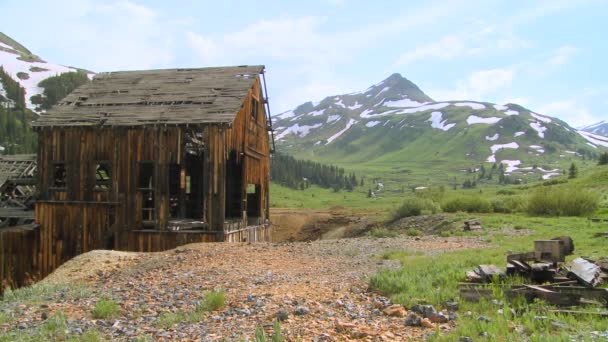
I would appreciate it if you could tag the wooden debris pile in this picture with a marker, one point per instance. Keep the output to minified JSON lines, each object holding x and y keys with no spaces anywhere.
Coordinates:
{"x":472,"y":225}
{"x":550,"y":278}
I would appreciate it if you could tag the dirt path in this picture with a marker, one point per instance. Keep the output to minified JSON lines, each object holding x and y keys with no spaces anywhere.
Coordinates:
{"x":308,"y":225}
{"x":320,"y":285}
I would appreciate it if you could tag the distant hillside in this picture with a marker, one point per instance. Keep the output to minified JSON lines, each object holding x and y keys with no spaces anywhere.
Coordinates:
{"x":600,"y":128}
{"x":395,"y":123}
{"x":28,"y":69}
{"x":28,"y":85}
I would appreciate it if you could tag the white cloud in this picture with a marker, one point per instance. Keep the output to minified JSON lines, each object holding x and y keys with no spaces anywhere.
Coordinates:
{"x":478,"y":41}
{"x":562,"y":55}
{"x":478,"y":85}
{"x":572,"y":111}
{"x":446,"y":48}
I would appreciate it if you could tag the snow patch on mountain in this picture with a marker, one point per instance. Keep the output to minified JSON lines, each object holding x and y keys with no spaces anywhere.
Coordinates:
{"x":594,"y":139}
{"x":437,"y":122}
{"x":540,"y":129}
{"x":541,"y":118}
{"x":493,"y":138}
{"x":423,"y":108}
{"x":551,"y":175}
{"x":511,"y":165}
{"x":474,"y":119}
{"x":357,"y":105}
{"x":498,"y":147}
{"x":13,"y":65}
{"x":495,"y":148}
{"x":335,"y":136}
{"x":472,"y":105}
{"x":340,"y":103}
{"x":286,"y":115}
{"x":298,"y":130}
{"x":317,"y":112}
{"x":500,"y":107}
{"x":517,"y":134}
{"x":332,"y":118}
{"x":368,"y":113}
{"x":382,"y":91}
{"x":6,"y":46}
{"x":372,"y":123}
{"x":511,"y":112}
{"x":404,"y":103}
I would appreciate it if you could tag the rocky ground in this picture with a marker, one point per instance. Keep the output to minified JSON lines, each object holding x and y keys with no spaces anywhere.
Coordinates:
{"x":318,"y":290}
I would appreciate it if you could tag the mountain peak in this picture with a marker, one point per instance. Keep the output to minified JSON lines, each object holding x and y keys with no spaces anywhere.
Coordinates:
{"x":405,"y":88}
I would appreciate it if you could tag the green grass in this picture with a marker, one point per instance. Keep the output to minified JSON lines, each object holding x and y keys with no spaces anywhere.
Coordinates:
{"x":212,"y":301}
{"x":277,"y":335}
{"x":105,"y":308}
{"x":434,"y":279}
{"x":40,"y":293}
{"x":381,"y":232}
{"x":55,"y":328}
{"x":168,"y":319}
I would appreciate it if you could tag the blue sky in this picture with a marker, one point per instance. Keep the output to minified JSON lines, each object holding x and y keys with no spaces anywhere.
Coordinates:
{"x":549,"y":56}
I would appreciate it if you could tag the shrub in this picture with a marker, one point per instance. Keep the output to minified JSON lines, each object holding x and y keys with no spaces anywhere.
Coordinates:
{"x":563,"y":201}
{"x":214,"y":300}
{"x":168,"y":319}
{"x":468,"y":204}
{"x":105,"y":308}
{"x":413,"y":232}
{"x":381,"y":232}
{"x":414,"y":206}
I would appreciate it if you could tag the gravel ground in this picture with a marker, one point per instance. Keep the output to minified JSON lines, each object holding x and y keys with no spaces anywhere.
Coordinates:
{"x":318,"y":288}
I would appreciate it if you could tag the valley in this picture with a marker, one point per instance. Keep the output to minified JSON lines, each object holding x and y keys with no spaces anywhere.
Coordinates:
{"x":369,"y":230}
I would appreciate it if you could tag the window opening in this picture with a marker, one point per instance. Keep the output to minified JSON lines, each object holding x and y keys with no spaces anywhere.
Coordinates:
{"x":146,"y":188}
{"x":102,"y":176}
{"x":254,"y":109}
{"x":59,"y":175}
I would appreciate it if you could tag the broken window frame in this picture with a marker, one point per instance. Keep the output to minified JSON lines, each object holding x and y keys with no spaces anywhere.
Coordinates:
{"x":255,"y":104}
{"x":148,"y":213}
{"x":103,"y":184}
{"x":62,"y":184}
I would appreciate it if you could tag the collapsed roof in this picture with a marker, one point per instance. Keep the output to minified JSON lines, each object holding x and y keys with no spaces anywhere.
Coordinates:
{"x":155,"y":97}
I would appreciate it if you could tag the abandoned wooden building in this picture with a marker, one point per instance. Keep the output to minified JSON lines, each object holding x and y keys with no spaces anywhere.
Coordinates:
{"x":137,"y":158}
{"x":149,"y":160}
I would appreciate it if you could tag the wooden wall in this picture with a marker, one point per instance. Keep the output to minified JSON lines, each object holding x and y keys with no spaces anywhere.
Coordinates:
{"x":155,"y":241}
{"x":69,"y":229}
{"x":18,"y":256}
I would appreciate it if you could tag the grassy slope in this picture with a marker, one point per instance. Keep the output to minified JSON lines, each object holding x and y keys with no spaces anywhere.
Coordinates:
{"x":414,"y":284}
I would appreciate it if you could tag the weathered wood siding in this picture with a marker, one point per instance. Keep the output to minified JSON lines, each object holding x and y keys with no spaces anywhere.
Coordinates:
{"x":69,"y":229}
{"x":155,"y":241}
{"x":19,"y":248}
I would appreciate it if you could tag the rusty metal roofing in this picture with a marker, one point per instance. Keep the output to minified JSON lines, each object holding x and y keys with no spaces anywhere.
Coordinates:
{"x":152,"y":97}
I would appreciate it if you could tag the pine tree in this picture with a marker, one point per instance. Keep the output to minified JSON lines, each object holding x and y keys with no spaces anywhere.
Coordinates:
{"x":603,"y":159}
{"x":573,"y":171}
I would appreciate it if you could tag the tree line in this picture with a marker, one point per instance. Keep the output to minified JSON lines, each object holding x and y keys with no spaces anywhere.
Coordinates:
{"x":58,"y":87}
{"x":16,"y":134}
{"x":300,"y":174}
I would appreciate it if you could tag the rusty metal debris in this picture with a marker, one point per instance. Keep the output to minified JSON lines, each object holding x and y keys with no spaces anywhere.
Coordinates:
{"x":551,"y":280}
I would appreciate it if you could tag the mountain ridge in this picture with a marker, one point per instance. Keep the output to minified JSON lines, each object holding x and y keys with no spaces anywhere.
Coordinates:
{"x":28,"y":69}
{"x":599,"y":128}
{"x":395,"y":121}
